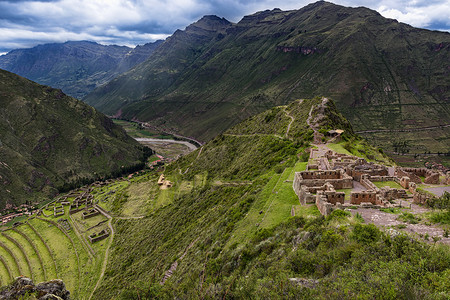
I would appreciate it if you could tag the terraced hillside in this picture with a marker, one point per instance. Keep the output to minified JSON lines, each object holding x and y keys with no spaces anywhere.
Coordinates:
{"x":383,"y":75}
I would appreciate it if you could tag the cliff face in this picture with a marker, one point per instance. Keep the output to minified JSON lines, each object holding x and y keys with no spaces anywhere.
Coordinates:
{"x":24,"y":287}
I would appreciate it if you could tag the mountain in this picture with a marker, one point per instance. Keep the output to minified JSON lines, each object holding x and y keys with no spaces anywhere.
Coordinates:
{"x":75,"y":67}
{"x":382,"y":74}
{"x":50,"y":141}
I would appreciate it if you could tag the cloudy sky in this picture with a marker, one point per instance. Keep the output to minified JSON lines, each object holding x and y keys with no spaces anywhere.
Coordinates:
{"x":26,"y":23}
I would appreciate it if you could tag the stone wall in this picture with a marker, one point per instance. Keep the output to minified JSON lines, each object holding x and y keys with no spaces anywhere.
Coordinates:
{"x":364,"y":196}
{"x":368,"y":184}
{"x":382,"y":178}
{"x":368,"y":169}
{"x":308,"y":194}
{"x":392,"y":193}
{"x":90,"y":213}
{"x":399,"y":172}
{"x":414,"y":175}
{"x":323,"y":205}
{"x":95,"y":237}
{"x":421,"y":198}
{"x":405,"y":181}
{"x":337,"y":178}
{"x":432,"y":179}
{"x":334,"y":197}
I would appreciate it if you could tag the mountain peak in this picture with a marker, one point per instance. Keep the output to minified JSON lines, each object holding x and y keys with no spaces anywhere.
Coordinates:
{"x":209,"y":23}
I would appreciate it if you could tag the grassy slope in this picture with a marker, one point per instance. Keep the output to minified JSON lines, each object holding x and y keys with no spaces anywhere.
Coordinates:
{"x":381,"y":73}
{"x":49,"y":139}
{"x":234,"y":238}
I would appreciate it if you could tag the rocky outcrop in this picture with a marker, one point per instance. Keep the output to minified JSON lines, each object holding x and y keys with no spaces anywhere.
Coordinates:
{"x":54,"y":289}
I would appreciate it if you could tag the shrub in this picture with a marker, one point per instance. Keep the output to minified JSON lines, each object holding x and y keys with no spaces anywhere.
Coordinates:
{"x":366,"y":233}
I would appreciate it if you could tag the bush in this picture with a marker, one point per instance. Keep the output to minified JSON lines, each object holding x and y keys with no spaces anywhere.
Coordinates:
{"x":366,"y":233}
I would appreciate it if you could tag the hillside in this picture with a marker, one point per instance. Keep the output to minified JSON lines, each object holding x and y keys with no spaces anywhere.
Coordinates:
{"x":75,"y":67}
{"x":50,"y":141}
{"x":383,"y":75}
{"x":224,"y":227}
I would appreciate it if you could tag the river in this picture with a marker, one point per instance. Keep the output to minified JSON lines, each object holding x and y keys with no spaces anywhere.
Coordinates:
{"x":187,"y":144}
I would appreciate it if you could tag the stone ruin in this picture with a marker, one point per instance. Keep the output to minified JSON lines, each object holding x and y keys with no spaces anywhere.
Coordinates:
{"x":65,"y":224}
{"x":163,"y":183}
{"x":415,"y":174}
{"x":95,"y":237}
{"x":58,"y":210}
{"x":90,"y":213}
{"x":332,"y":171}
{"x":338,"y":178}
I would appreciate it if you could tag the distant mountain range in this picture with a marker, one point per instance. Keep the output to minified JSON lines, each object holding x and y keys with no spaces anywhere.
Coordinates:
{"x":75,"y":67}
{"x":50,"y":142}
{"x":382,"y":74}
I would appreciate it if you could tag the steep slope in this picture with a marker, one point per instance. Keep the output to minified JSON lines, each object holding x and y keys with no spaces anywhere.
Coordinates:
{"x":75,"y":67}
{"x":50,"y":141}
{"x":381,"y":73}
{"x":226,"y":231}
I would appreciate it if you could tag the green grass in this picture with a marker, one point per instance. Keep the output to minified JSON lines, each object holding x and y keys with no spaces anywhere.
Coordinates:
{"x":299,"y":167}
{"x":339,"y":148}
{"x":19,"y":254}
{"x":33,"y":258}
{"x":393,"y":210}
{"x":391,"y":184}
{"x":46,"y":254}
{"x":63,"y":251}
{"x":247,"y":227}
{"x":307,"y":211}
{"x":5,"y":276}
{"x":347,"y":193}
{"x":281,"y":201}
{"x":409,"y":218}
{"x":11,"y":261}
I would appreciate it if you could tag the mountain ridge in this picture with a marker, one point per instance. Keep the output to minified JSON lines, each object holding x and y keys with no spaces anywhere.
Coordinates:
{"x":76,"y":67}
{"x":373,"y":67}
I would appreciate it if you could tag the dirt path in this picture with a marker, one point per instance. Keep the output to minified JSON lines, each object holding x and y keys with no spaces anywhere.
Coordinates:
{"x":253,"y":134}
{"x":292,"y":119}
{"x":438,"y":191}
{"x":312,"y":122}
{"x":105,"y":260}
{"x":392,"y":224}
{"x":404,"y":130}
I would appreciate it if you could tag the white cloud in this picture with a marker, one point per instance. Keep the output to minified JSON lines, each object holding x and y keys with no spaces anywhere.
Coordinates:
{"x":27,"y":23}
{"x":419,"y":16}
